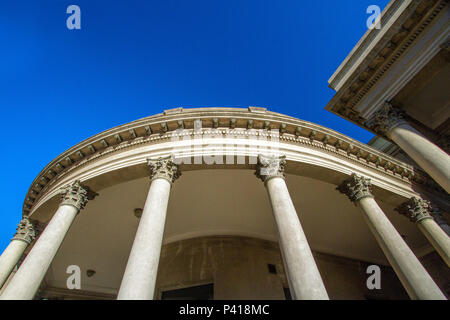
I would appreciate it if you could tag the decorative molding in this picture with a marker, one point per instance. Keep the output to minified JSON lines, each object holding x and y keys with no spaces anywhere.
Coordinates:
{"x":415,"y":209}
{"x":163,"y":168}
{"x":75,"y":195}
{"x":396,"y":10}
{"x":149,"y":131}
{"x":385,"y":119}
{"x":384,"y":55}
{"x":269,"y":167}
{"x":25,"y":231}
{"x":356,"y":188}
{"x":257,"y":109}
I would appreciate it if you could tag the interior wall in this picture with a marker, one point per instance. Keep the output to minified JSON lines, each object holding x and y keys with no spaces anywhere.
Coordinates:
{"x":238,"y":268}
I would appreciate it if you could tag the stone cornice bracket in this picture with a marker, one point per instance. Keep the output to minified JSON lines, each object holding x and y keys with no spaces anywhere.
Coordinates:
{"x":76,"y":195}
{"x":415,"y":209}
{"x":356,"y":188}
{"x":25,"y":231}
{"x":163,"y":168}
{"x":269,"y":167}
{"x":385,"y":119}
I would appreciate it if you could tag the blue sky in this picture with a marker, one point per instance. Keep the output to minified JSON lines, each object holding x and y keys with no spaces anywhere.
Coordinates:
{"x":132,"y":59}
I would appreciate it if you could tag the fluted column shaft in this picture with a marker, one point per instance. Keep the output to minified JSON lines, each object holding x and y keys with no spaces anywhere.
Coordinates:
{"x":413,"y":276}
{"x":28,"y":278}
{"x":389,"y":121}
{"x":10,"y":257}
{"x":139,"y":279}
{"x":418,"y":211}
{"x":305,"y":282}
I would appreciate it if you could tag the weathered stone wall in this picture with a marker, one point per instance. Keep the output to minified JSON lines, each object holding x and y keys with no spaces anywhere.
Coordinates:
{"x":238,"y":267}
{"x":438,"y":270}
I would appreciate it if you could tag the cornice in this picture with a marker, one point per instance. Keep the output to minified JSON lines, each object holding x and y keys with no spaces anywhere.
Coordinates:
{"x":395,"y":12}
{"x":242,"y":122}
{"x":398,"y":38}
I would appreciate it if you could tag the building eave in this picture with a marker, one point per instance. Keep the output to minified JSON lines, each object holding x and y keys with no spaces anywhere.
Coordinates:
{"x":393,"y":15}
{"x":160,"y":126}
{"x":379,"y":52}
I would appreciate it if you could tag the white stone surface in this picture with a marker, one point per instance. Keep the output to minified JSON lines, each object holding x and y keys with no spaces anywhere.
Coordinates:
{"x":10,"y":257}
{"x":304,"y":278}
{"x":28,"y":278}
{"x":139,"y":279}
{"x":437,"y":237}
{"x":412,"y":274}
{"x":431,"y":158}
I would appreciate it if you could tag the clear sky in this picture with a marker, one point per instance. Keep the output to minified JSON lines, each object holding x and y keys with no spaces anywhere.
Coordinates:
{"x":132,"y":59}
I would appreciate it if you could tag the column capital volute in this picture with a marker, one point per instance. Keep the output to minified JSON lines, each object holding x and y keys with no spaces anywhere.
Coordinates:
{"x":163,"y":168}
{"x":356,"y":188}
{"x":270,"y":166}
{"x":415,"y":209}
{"x":385,"y":119}
{"x":76,"y":195}
{"x":25,"y":231}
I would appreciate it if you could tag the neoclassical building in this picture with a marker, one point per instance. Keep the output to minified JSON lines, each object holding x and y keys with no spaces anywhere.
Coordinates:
{"x":233,"y":203}
{"x":226,"y":203}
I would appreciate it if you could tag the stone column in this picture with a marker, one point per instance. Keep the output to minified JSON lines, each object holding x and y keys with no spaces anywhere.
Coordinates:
{"x":139,"y":279}
{"x":390,"y":122}
{"x":28,"y":278}
{"x":8,"y":280}
{"x":10,"y":257}
{"x":418,"y":211}
{"x":410,"y":271}
{"x":305,"y":282}
{"x":437,"y":215}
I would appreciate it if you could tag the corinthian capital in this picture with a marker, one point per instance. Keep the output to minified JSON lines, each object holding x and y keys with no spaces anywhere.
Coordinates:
{"x":163,"y":168}
{"x":75,"y":194}
{"x":270,"y":166}
{"x":385,"y":119}
{"x":415,"y":209}
{"x":356,"y":188}
{"x":25,"y":231}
